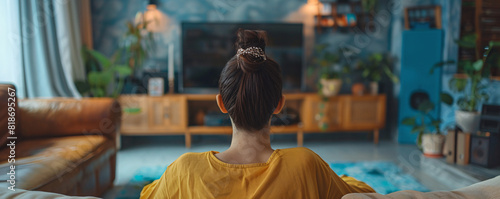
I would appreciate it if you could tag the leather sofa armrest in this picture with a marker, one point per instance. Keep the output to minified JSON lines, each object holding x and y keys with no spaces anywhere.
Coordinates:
{"x":68,"y":116}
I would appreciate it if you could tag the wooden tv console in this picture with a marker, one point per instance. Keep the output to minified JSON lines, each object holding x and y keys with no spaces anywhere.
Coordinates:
{"x":182,"y":114}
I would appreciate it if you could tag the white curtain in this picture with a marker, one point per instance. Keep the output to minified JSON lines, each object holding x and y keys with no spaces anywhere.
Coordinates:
{"x":43,"y":51}
{"x":11,"y":70}
{"x":68,"y":34}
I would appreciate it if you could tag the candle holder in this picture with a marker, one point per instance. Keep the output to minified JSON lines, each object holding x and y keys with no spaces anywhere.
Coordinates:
{"x":170,"y":85}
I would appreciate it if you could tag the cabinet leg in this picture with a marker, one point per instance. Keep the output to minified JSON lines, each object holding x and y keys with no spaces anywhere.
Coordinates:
{"x":375,"y":136}
{"x":300,"y":138}
{"x":188,"y":140}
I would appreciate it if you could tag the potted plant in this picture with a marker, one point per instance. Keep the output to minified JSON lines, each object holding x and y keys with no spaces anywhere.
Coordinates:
{"x":101,"y":74}
{"x":376,"y":67}
{"x":136,"y":44}
{"x":430,"y":138}
{"x":470,"y":89}
{"x":332,"y":67}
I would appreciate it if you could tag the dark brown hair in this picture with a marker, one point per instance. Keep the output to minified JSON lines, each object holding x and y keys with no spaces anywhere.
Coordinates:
{"x":251,"y":86}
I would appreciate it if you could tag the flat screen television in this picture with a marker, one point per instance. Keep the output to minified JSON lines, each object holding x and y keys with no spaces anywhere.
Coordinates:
{"x":206,"y":47}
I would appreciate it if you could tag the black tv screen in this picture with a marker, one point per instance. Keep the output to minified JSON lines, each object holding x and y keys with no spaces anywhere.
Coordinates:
{"x":206,"y":47}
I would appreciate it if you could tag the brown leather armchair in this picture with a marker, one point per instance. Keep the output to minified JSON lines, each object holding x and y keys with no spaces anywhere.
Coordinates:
{"x":63,"y":145}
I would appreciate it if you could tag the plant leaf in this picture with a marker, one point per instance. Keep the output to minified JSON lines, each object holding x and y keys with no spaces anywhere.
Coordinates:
{"x":416,"y":129}
{"x":389,"y":74}
{"x":446,"y":98}
{"x":467,"y":41}
{"x":436,"y":122}
{"x":478,"y":65}
{"x":123,"y":70}
{"x":419,"y":140}
{"x":441,"y":64}
{"x":101,"y":58}
{"x":409,"y":121}
{"x":426,"y":106}
{"x":93,"y":78}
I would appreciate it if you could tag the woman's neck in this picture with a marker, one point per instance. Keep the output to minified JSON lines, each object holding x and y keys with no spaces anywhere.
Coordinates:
{"x":248,"y":147}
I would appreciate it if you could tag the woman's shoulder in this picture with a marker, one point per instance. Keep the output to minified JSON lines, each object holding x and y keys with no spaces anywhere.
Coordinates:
{"x":299,"y":153}
{"x":302,"y":159}
{"x":190,"y":159}
{"x":298,"y":150}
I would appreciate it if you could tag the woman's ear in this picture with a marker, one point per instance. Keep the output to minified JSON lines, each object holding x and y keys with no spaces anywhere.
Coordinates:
{"x":218,"y":98}
{"x":280,"y":106}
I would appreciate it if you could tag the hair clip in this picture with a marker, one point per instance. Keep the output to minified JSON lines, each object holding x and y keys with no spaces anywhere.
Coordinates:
{"x":254,"y":51}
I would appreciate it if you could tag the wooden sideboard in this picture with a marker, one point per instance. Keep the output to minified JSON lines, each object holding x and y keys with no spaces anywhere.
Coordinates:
{"x":178,"y":114}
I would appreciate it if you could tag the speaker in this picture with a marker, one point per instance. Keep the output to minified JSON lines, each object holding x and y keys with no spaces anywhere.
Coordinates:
{"x":490,"y":119}
{"x":421,"y":49}
{"x":485,"y":149}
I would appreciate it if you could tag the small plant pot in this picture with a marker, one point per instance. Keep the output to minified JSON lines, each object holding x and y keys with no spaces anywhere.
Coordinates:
{"x":432,"y":145}
{"x":358,"y":89}
{"x":374,"y":88}
{"x":467,"y":121}
{"x":330,"y":87}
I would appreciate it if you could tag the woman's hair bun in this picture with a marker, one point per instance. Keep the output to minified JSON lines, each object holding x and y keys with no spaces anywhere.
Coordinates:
{"x":251,"y":38}
{"x":251,"y":49}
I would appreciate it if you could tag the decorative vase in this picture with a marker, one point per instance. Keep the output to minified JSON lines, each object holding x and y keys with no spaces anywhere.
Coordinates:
{"x":374,"y":88}
{"x":358,"y":89}
{"x":330,"y":87}
{"x":432,"y":145}
{"x":467,"y":121}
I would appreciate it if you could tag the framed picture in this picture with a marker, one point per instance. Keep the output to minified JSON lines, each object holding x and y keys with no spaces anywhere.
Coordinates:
{"x":156,"y":86}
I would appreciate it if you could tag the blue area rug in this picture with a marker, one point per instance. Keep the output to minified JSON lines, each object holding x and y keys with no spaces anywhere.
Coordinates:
{"x":384,"y":177}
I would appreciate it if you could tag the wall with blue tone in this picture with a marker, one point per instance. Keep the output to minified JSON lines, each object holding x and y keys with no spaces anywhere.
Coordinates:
{"x":109,"y":18}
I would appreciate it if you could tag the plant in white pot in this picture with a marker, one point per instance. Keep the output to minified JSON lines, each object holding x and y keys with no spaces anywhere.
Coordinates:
{"x":470,"y":89}
{"x":375,"y":68}
{"x":430,"y":138}
{"x":332,"y":67}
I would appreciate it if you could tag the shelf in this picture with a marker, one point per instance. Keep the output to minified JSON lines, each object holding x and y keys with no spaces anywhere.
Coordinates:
{"x":152,"y":115}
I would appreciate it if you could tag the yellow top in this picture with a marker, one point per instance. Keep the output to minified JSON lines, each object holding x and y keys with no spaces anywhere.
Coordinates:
{"x":289,"y":173}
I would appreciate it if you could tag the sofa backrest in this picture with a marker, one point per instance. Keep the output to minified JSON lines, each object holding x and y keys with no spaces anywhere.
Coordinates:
{"x":485,"y":189}
{"x":68,"y":116}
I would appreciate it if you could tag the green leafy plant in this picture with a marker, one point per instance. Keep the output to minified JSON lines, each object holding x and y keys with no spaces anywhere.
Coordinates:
{"x":102,"y":73}
{"x":423,"y":122}
{"x":329,"y":64}
{"x":137,"y":42}
{"x":472,"y":88}
{"x":378,"y":66}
